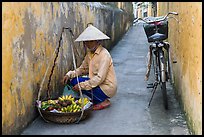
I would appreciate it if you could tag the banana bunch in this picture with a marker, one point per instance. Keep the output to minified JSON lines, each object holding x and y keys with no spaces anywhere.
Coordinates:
{"x":44,"y":103}
{"x":71,"y":108}
{"x":51,"y":102}
{"x":86,"y":100}
{"x":63,"y":98}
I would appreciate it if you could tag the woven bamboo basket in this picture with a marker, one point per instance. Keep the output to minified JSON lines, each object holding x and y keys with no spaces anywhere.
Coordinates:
{"x":66,"y":118}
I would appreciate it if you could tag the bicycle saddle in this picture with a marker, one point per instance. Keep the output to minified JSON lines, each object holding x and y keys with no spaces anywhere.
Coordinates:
{"x":157,"y":37}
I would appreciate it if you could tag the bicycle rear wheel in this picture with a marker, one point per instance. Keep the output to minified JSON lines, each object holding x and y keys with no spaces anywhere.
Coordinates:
{"x":163,"y":77}
{"x":164,"y":94}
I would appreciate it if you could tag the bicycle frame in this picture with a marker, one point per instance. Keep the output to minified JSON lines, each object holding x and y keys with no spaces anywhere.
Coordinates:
{"x":161,"y":63}
{"x":161,"y":73}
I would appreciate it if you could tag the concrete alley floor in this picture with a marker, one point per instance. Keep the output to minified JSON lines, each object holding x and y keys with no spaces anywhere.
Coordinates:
{"x":129,"y":113}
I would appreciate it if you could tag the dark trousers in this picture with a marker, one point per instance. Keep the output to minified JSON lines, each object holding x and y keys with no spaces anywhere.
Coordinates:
{"x":98,"y":95}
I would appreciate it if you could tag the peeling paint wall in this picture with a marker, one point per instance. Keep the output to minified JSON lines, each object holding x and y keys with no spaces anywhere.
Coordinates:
{"x":30,"y":35}
{"x":185,"y":38}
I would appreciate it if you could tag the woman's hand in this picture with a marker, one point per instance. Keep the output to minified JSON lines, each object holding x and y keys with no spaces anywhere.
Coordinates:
{"x":76,"y":88}
{"x":65,"y":79}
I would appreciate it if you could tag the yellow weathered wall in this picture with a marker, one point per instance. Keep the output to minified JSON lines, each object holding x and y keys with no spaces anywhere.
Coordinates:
{"x":141,"y":8}
{"x":150,"y":10}
{"x":30,"y":34}
{"x":139,"y":12}
{"x":162,"y":8}
{"x":185,"y":38}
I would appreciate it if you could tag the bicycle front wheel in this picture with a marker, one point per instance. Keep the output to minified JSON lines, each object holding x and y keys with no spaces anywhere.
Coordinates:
{"x":164,"y":94}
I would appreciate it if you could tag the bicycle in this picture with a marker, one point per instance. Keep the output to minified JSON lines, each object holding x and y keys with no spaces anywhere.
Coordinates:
{"x":156,"y":29}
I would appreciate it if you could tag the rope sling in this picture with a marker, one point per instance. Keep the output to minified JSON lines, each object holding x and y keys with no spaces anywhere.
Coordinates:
{"x":74,"y":63}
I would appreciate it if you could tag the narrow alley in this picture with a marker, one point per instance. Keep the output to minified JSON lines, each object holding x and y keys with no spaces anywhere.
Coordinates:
{"x":129,"y":113}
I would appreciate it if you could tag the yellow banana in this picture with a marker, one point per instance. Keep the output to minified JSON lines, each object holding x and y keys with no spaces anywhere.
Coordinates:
{"x":69,"y":97}
{"x":43,"y":103}
{"x":79,"y":101}
{"x":73,"y":102}
{"x":49,"y":101}
{"x":78,"y":109}
{"x":60,"y":99}
{"x":71,"y":110}
{"x":73,"y":106}
{"x":75,"y":110}
{"x":68,"y":108}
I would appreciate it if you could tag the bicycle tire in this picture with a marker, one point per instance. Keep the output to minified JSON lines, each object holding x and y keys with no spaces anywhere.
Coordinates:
{"x":164,"y":94}
{"x":162,"y":68}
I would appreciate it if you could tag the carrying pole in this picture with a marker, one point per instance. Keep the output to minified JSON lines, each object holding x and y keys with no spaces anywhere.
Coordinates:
{"x":56,"y":51}
{"x":48,"y":85}
{"x":74,"y":62}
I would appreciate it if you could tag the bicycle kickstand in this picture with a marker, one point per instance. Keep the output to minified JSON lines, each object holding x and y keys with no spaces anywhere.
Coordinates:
{"x":154,"y":89}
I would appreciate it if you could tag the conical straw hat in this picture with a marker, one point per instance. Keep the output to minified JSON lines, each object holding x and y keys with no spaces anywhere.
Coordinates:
{"x":91,"y":33}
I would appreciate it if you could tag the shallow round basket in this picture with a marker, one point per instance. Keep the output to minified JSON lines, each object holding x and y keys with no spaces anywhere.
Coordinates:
{"x":65,"y":118}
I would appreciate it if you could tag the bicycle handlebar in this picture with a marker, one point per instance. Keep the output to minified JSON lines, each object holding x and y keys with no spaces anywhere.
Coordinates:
{"x":162,"y":19}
